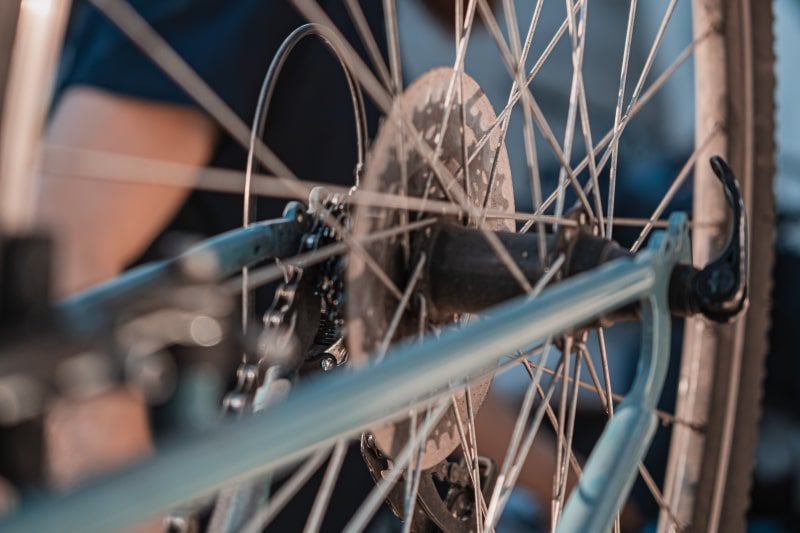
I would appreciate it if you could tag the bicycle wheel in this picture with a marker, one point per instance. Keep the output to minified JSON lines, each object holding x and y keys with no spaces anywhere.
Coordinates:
{"x":458,"y":169}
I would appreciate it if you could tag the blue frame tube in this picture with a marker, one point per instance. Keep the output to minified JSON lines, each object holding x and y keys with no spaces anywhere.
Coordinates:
{"x":321,"y":412}
{"x":611,"y":469}
{"x":215,"y":258}
{"x":338,"y":405}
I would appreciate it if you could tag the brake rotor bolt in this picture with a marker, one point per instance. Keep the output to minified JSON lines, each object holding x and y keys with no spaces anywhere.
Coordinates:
{"x":327,"y":363}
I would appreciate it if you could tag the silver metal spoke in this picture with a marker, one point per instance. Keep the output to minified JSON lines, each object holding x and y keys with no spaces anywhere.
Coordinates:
{"x":326,"y":489}
{"x":271,"y":273}
{"x":604,"y":395}
{"x":62,"y":162}
{"x":393,"y":39}
{"x":412,"y":483}
{"x":516,"y":436}
{"x":462,"y":41}
{"x":501,"y":493}
{"x":551,"y":415}
{"x":378,"y":494}
{"x":75,"y":163}
{"x":264,"y":516}
{"x":368,"y":38}
{"x":586,"y":127}
{"x":138,"y":30}
{"x":546,"y":53}
{"x":651,"y":56}
{"x":461,"y":52}
{"x":400,"y":309}
{"x":458,"y":25}
{"x":314,"y":13}
{"x":666,"y":418}
{"x":659,"y":498}
{"x":577,"y":42}
{"x":531,"y":157}
{"x":530,"y":101}
{"x":674,"y":187}
{"x":560,"y":427}
{"x":623,"y":79}
{"x":601,"y":341}
{"x":633,"y":111}
{"x":469,"y":453}
{"x":527,"y":402}
{"x":564,"y":467}
{"x":476,"y":476}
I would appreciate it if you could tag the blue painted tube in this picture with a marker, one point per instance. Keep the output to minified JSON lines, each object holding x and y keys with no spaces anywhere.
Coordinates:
{"x":320,"y":412}
{"x":211,"y":260}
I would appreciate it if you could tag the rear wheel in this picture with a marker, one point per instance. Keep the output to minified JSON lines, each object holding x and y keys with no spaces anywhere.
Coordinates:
{"x":722,"y":366}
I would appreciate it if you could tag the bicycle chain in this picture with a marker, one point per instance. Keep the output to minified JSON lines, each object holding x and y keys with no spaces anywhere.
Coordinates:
{"x":277,"y":342}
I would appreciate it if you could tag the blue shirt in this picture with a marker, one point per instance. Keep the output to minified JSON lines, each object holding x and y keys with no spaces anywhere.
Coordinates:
{"x":230,"y":44}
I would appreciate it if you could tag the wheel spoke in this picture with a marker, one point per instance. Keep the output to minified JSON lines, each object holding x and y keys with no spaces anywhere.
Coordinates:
{"x":393,"y":39}
{"x":577,"y":41}
{"x":326,"y":489}
{"x":264,"y":516}
{"x":531,"y":156}
{"x":623,"y":78}
{"x":530,"y":101}
{"x":633,"y":111}
{"x":503,"y":490}
{"x":370,"y":43}
{"x":139,"y":31}
{"x":586,"y":127}
{"x":560,"y":426}
{"x":532,"y":74}
{"x":160,"y":52}
{"x":64,"y":162}
{"x":651,"y":56}
{"x":604,"y":395}
{"x":674,"y":187}
{"x":601,"y":341}
{"x":381,"y":490}
{"x":271,"y":273}
{"x":400,"y":309}
{"x":413,"y":476}
{"x":476,"y":476}
{"x":564,"y":468}
{"x":458,"y":67}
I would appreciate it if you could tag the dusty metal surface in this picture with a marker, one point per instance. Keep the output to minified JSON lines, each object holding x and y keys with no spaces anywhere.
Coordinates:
{"x":370,"y":305}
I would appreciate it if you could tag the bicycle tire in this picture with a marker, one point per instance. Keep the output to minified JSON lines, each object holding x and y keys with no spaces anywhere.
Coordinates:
{"x":745,"y":80}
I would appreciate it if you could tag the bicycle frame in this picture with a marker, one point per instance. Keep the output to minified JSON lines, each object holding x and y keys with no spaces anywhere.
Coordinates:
{"x":322,"y":411}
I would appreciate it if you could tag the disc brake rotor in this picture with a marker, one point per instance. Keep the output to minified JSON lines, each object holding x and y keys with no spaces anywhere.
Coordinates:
{"x":396,"y":167}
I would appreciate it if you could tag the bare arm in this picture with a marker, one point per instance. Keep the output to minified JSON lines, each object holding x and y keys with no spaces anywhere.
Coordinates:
{"x":100,"y":226}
